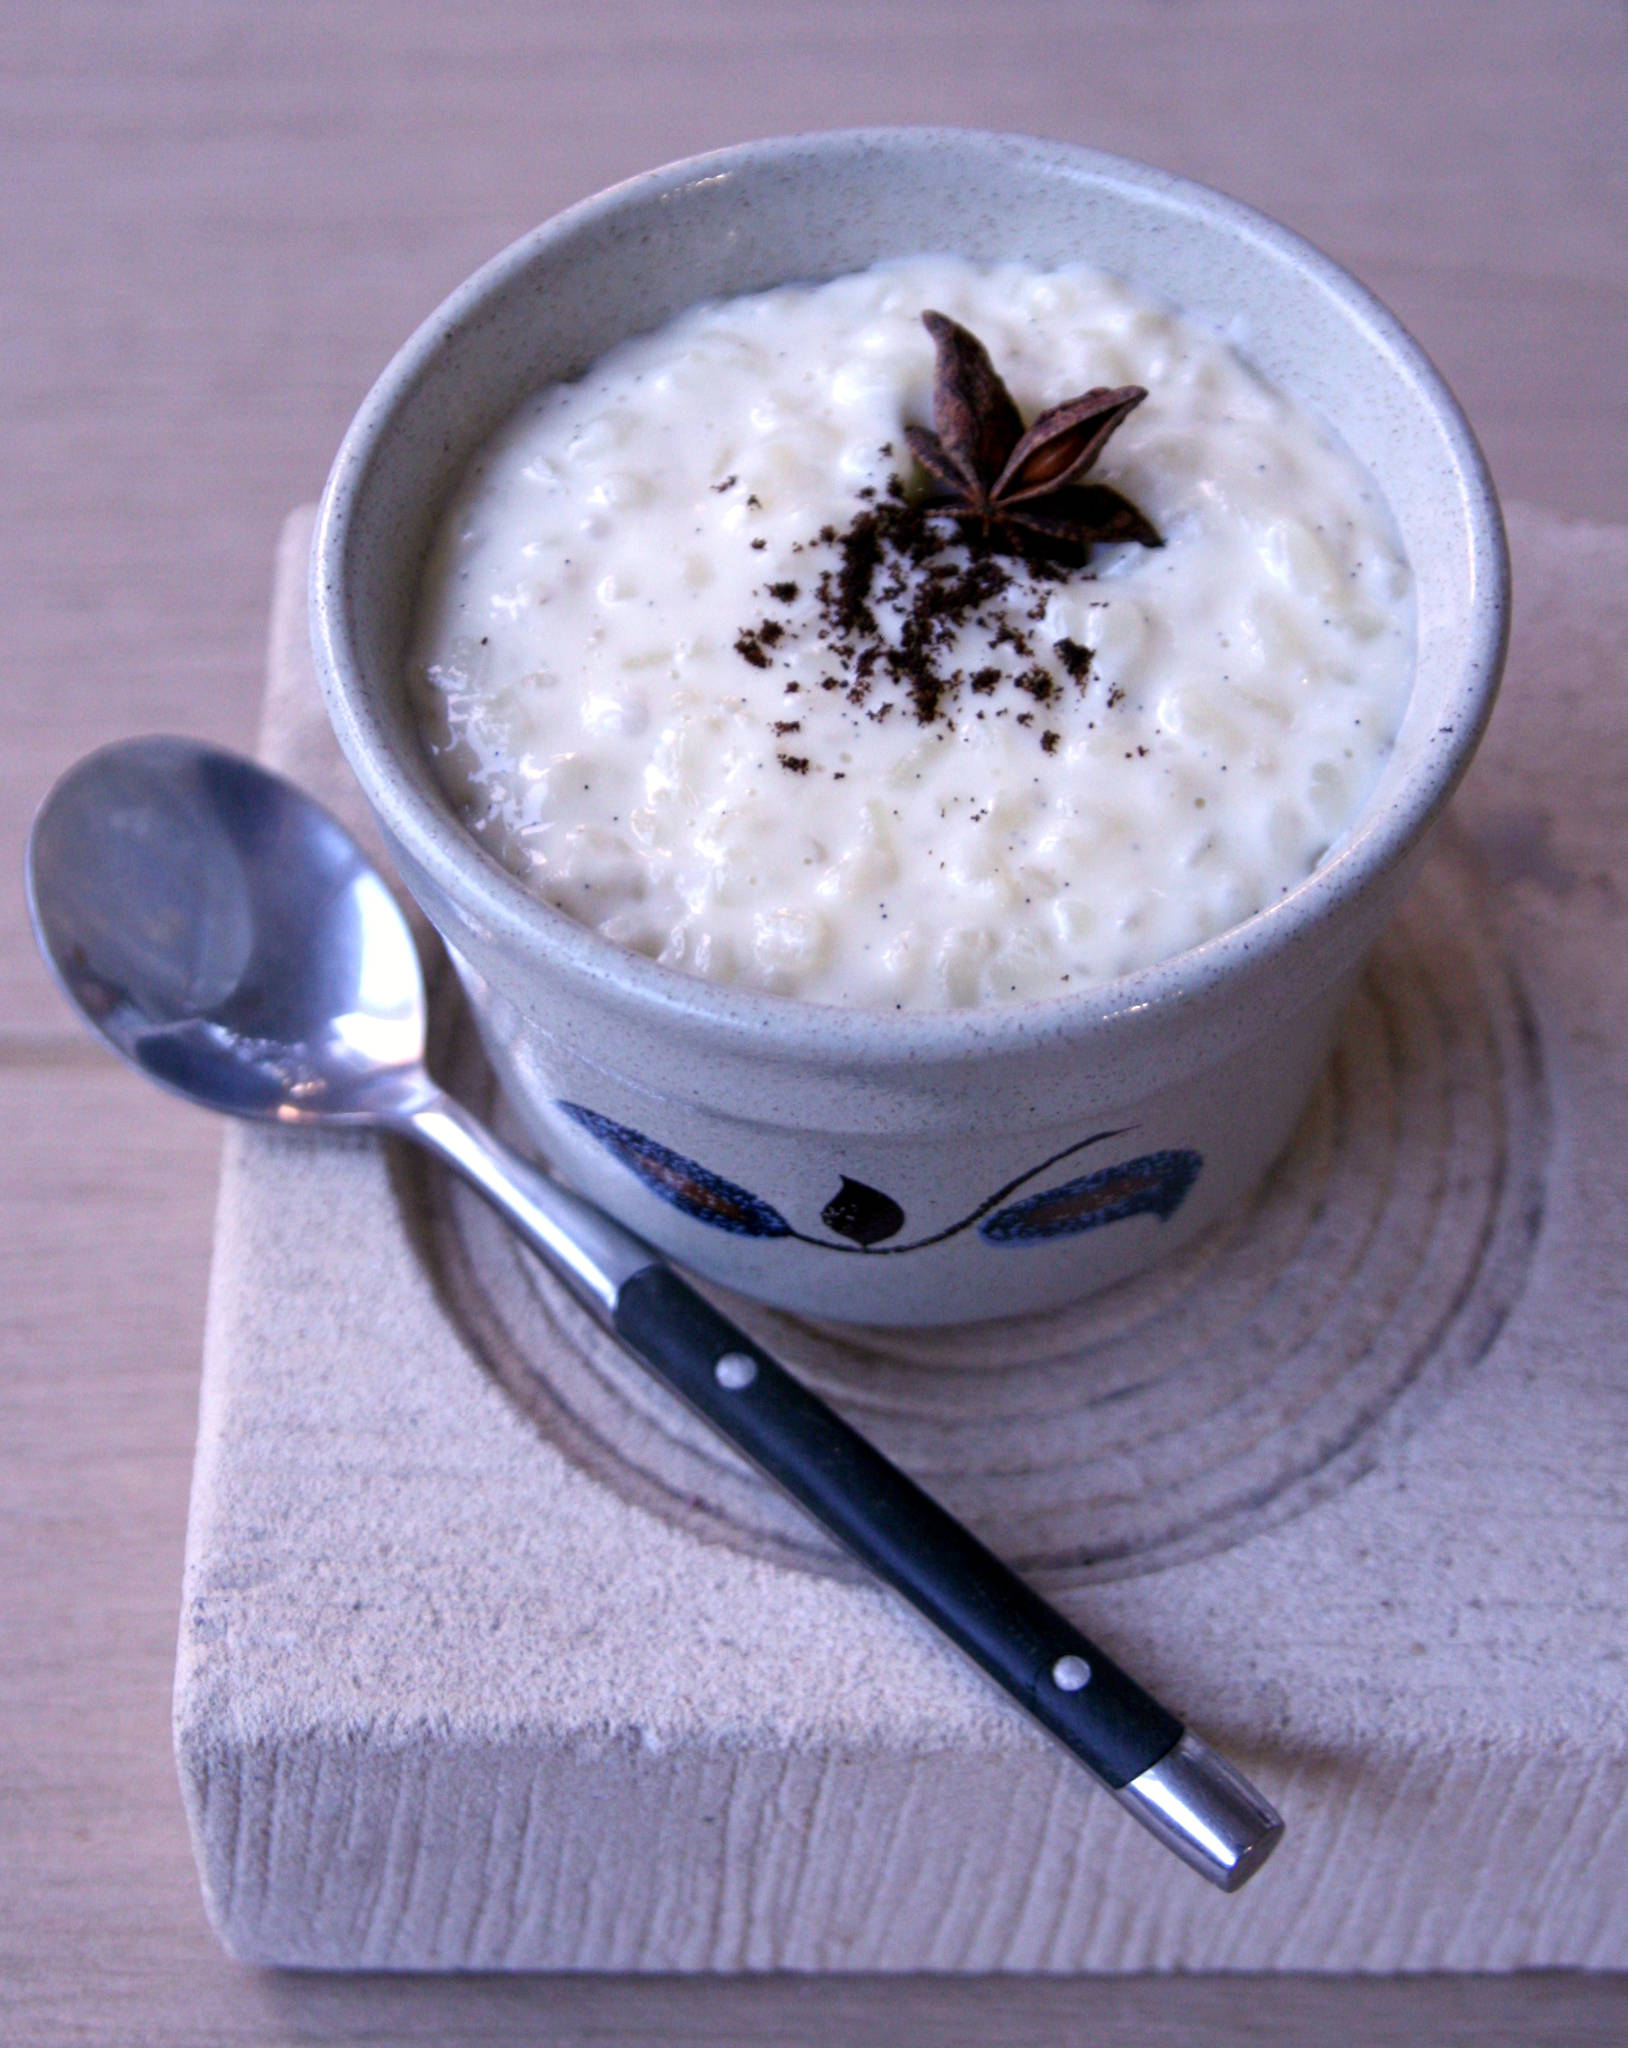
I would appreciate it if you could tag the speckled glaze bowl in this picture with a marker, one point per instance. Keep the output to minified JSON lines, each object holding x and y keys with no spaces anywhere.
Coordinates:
{"x":886,"y":1167}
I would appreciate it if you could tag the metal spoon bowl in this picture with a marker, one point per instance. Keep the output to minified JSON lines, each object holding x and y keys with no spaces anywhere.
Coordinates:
{"x":228,"y":937}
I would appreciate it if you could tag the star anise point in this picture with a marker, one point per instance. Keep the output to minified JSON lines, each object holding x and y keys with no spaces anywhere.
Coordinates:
{"x":1022,"y":487}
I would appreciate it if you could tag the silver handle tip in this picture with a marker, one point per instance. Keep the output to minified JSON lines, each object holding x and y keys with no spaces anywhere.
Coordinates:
{"x":1206,"y":1812}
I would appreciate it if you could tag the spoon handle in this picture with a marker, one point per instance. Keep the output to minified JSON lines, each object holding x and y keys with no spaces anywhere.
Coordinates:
{"x":594,"y":1256}
{"x":1189,"y":1797}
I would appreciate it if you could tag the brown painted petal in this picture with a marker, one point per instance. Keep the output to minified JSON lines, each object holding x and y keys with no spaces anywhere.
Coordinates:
{"x":973,"y":413}
{"x":1083,"y":514}
{"x":1064,"y":442}
{"x":935,"y":458}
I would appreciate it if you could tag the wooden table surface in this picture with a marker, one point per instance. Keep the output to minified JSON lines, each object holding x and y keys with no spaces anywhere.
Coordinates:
{"x":221,"y":220}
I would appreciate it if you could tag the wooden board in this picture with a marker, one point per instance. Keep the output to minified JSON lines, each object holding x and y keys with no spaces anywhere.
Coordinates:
{"x":221,"y":220}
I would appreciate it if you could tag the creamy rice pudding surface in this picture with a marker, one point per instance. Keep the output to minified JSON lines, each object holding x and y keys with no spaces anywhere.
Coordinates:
{"x":675,"y":664}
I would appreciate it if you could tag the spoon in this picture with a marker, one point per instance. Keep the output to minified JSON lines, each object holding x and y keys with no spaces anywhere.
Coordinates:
{"x":228,"y":937}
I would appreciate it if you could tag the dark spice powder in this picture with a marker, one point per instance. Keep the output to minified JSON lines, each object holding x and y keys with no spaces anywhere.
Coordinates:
{"x":936,"y":580}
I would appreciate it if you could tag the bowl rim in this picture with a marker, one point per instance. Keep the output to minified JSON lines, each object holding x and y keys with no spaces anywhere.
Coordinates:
{"x":505,"y":910}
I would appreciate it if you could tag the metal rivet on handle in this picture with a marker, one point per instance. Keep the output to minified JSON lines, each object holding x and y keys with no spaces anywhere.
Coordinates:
{"x":735,"y":1370}
{"x":1071,"y":1674}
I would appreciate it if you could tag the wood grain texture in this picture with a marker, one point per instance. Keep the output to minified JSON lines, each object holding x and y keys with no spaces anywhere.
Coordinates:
{"x":221,"y":220}
{"x":442,"y":1705}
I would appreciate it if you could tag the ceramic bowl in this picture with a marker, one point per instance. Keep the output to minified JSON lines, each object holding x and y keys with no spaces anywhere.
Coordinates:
{"x":886,"y":1167}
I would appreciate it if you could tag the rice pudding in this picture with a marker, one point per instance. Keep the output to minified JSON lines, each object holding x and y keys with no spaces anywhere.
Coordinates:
{"x":701,"y":659}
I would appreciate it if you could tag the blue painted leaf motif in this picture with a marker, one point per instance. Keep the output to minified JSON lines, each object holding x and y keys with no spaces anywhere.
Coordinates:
{"x":1155,"y":1185}
{"x":697,"y":1190}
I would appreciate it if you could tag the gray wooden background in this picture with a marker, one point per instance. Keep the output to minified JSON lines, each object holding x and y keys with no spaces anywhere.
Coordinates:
{"x":219,"y":221}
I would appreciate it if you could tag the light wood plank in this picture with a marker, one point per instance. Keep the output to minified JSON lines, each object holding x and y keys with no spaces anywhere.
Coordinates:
{"x":228,"y":217}
{"x":106,"y":1196}
{"x":223,"y":219}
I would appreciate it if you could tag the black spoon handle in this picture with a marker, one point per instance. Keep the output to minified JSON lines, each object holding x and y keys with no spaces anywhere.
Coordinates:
{"x":1179,"y":1789}
{"x":1075,"y":1691}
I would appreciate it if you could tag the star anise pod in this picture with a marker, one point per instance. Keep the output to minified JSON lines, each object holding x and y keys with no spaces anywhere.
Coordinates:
{"x":1022,"y":488}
